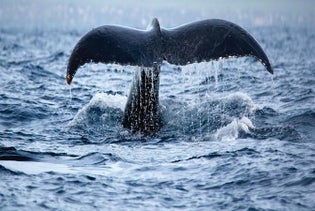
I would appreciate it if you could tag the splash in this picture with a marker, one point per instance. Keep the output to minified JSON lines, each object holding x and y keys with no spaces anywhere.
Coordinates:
{"x":212,"y":117}
{"x":231,"y":131}
{"x":102,"y":109}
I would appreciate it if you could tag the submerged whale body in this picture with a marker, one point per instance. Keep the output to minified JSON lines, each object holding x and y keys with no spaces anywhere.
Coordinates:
{"x":194,"y":42}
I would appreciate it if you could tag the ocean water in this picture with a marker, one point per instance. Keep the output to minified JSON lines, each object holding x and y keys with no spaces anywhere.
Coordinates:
{"x":234,"y":136}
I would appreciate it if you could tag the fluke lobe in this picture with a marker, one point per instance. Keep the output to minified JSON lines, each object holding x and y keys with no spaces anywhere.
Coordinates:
{"x":194,"y":42}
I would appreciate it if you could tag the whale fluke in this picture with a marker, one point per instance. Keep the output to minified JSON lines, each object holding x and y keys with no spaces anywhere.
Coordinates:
{"x":194,"y":42}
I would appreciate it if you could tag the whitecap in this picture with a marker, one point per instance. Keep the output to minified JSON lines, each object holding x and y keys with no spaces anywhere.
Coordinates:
{"x":231,"y":131}
{"x":101,"y":108}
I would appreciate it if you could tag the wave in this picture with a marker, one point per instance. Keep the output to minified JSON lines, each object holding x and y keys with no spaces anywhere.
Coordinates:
{"x":102,"y":112}
{"x":90,"y":164}
{"x":4,"y":171}
{"x":10,"y":153}
{"x":17,"y":162}
{"x":304,"y":181}
{"x":13,"y":154}
{"x":95,"y":158}
{"x":214,"y":155}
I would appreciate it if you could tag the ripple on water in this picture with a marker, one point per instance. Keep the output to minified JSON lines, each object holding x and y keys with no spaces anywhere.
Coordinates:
{"x":233,"y":138}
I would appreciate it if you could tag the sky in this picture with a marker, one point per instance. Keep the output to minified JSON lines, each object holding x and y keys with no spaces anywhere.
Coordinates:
{"x":74,"y":14}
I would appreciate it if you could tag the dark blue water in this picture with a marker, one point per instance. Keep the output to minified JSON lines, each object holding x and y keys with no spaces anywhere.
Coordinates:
{"x":234,"y":137}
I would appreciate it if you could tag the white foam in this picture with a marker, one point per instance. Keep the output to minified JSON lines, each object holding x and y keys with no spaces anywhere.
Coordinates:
{"x":33,"y":168}
{"x":108,"y":100}
{"x":231,"y":131}
{"x":102,"y":101}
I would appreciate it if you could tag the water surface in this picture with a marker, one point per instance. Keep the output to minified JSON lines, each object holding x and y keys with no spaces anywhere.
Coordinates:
{"x":234,"y":137}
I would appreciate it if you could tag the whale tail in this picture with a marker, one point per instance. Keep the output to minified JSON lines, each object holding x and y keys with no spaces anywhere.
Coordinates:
{"x":195,"y":42}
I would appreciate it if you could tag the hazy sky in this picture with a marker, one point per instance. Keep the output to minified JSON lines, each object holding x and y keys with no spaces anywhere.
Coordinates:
{"x":78,"y":13}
